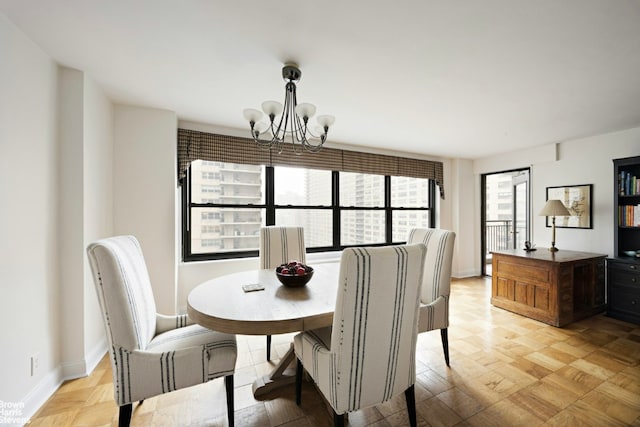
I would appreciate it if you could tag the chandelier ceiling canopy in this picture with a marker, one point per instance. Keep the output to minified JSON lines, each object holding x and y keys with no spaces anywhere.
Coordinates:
{"x":288,"y":123}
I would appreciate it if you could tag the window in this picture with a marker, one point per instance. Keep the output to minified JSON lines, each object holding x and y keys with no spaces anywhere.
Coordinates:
{"x":222,"y":218}
{"x":303,"y":197}
{"x":362,"y":209}
{"x":229,"y":223}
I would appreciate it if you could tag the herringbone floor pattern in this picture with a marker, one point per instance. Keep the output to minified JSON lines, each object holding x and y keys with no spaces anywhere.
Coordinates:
{"x":506,"y":370}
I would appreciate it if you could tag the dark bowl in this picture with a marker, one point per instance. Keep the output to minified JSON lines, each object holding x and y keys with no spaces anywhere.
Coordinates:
{"x":295,"y":281}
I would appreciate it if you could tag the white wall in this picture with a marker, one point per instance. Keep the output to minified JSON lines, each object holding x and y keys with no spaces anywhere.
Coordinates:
{"x":583,"y":161}
{"x":97,"y":207}
{"x":464,"y":200}
{"x":86,"y":214}
{"x":71,"y":129}
{"x":29,"y":194}
{"x":580,"y":161}
{"x":56,"y":186}
{"x":145,"y":181}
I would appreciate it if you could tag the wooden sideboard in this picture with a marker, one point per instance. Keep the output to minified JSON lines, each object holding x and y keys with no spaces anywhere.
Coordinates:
{"x":556,"y":288}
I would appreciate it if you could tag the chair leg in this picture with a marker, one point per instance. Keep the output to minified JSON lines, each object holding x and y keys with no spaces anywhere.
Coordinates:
{"x":298,"y":382}
{"x":338,"y":420}
{"x":228,"y":385}
{"x":410,"y":395}
{"x":445,"y":344}
{"x":124,"y":418}
{"x":268,"y":347}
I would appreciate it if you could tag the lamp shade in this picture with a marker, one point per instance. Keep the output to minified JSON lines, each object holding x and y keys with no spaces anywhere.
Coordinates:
{"x":305,"y":110}
{"x":326,"y":120}
{"x":554,"y":207}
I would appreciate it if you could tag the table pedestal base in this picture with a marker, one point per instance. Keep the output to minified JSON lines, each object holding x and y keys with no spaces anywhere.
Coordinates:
{"x":281,"y":375}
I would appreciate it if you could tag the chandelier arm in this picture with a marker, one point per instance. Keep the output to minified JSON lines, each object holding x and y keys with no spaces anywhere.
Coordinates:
{"x":313,"y":134}
{"x":287,"y":118}
{"x":256,"y":136}
{"x":263,"y":143}
{"x":301,"y":126}
{"x":282,"y":124}
{"x":314,"y":148}
{"x":298,"y":128}
{"x":300,"y":136}
{"x":295,"y":131}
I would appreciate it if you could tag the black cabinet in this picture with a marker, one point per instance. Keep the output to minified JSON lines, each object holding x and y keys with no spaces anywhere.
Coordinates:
{"x":623,"y":270}
{"x":623,"y":289}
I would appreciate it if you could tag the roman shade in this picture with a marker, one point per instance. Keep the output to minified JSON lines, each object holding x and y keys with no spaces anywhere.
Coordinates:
{"x":197,"y":145}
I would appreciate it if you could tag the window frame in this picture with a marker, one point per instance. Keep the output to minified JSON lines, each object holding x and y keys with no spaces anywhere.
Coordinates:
{"x":270,"y":214}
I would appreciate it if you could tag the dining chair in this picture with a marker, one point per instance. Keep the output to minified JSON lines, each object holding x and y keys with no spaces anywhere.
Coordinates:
{"x":368,"y":354}
{"x":150,"y":353}
{"x":280,"y":244}
{"x":436,"y":282}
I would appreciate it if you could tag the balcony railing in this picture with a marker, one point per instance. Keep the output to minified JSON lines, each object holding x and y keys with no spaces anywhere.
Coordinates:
{"x":498,"y":235}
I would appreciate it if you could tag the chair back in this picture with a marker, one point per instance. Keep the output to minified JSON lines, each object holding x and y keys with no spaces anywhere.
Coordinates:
{"x":281,"y":244}
{"x":124,"y":291}
{"x":375,"y":324}
{"x":437,"y":267}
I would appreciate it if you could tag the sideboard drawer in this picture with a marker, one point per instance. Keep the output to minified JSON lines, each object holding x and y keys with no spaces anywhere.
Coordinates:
{"x":625,"y":299}
{"x":627,"y":278}
{"x":631,"y":267}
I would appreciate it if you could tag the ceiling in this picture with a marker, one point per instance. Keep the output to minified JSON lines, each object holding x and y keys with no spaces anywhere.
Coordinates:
{"x":451,"y":78}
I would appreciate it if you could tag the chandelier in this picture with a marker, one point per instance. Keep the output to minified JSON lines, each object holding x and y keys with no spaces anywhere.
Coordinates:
{"x":289,"y":123}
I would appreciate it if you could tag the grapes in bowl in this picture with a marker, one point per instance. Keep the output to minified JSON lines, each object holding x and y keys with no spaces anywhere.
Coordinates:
{"x":294,"y":274}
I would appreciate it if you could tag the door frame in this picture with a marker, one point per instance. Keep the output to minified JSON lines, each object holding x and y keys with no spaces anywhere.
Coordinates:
{"x":515,"y":181}
{"x":483,"y":212}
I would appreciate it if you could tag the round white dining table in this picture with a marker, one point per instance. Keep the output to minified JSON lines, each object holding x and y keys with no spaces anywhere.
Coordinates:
{"x":221,"y":304}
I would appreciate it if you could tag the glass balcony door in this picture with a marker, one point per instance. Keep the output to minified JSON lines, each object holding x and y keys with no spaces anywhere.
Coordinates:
{"x":505,"y":215}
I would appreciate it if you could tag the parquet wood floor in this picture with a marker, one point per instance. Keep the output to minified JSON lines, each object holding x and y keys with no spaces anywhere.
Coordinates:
{"x":506,"y":370}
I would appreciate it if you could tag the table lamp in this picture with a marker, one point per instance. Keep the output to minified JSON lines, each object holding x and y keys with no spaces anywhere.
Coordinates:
{"x":554,"y":208}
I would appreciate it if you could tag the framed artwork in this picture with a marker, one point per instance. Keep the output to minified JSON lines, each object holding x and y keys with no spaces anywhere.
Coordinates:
{"x":577,"y":199}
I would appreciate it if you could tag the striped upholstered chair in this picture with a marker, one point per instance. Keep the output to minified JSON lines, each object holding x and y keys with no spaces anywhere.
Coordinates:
{"x":368,"y":355}
{"x":279,"y":245}
{"x":436,"y":285}
{"x":151,"y":354}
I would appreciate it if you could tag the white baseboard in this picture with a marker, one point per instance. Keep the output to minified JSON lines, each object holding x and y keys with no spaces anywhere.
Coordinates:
{"x":465,"y":273}
{"x":82,"y":368}
{"x":95,"y":355}
{"x":73,"y":370}
{"x":45,"y":388}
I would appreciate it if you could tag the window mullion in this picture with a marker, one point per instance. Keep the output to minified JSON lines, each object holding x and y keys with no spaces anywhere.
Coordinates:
{"x":186,"y":214}
{"x":335,"y":203}
{"x":388,"y":226}
{"x":432,"y":203}
{"x":269,"y":192}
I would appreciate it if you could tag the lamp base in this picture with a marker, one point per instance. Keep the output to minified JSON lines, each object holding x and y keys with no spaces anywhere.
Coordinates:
{"x":553,"y":249}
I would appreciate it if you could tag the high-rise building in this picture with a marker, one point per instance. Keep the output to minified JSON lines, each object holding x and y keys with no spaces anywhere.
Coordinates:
{"x":225,"y":229}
